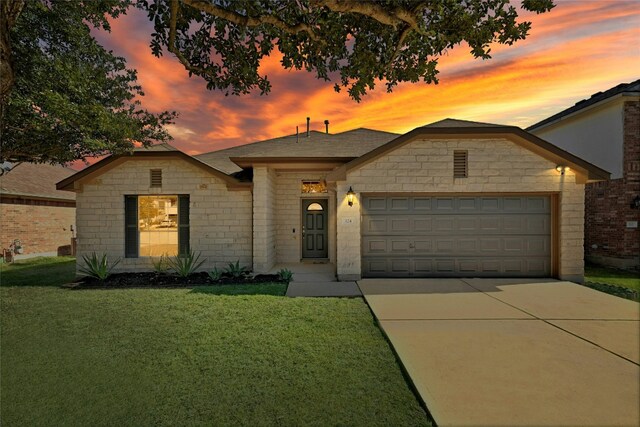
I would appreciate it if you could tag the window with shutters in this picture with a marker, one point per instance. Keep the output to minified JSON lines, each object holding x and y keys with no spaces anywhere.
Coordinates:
{"x":156,"y":225}
{"x":460,"y":164}
{"x":156,"y":177}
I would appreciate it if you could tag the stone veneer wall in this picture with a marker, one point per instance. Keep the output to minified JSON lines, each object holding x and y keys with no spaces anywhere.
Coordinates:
{"x":608,"y":240}
{"x":220,"y":219}
{"x":288,"y":214}
{"x":495,"y":166}
{"x":43,"y":226}
{"x":264,"y":222}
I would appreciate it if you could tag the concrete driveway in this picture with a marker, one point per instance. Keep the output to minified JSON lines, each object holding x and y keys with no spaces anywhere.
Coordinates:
{"x":507,"y":352}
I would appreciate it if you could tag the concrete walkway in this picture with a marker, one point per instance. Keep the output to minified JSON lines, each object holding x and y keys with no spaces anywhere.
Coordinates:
{"x":507,"y":352}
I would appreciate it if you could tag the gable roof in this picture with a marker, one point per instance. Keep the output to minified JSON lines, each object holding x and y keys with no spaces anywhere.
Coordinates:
{"x":349,"y":144}
{"x":449,"y":129}
{"x":632,"y":88}
{"x":35,"y":181}
{"x":153,"y":152}
{"x":456,"y":123}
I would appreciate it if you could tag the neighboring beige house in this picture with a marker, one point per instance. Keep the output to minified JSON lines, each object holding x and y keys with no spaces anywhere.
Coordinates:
{"x":34,"y":212}
{"x":605,"y":130}
{"x":451,"y":199}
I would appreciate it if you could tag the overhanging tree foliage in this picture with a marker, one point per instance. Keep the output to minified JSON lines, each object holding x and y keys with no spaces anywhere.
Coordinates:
{"x":67,"y":97}
{"x":357,"y":43}
{"x":72,"y":99}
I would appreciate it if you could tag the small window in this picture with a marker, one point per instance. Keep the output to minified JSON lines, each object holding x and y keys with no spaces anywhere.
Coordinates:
{"x":460,"y":164}
{"x":314,"y":187}
{"x":156,"y":177}
{"x":314,"y":207}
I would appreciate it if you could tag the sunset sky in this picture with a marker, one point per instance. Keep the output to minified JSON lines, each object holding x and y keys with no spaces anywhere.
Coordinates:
{"x":578,"y":48}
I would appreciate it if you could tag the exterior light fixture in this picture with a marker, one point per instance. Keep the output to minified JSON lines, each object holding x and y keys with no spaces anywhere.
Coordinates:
{"x":350,"y":195}
{"x":562,"y":169}
{"x":635,"y":203}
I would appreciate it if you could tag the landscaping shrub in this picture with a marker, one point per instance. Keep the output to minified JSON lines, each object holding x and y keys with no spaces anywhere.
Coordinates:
{"x":97,"y":267}
{"x":236,"y":272}
{"x":285,"y":275}
{"x":184,"y":265}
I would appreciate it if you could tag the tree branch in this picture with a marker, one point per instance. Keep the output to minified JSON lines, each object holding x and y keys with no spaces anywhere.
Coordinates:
{"x":403,"y":35}
{"x":399,"y":16}
{"x":249,"y":21}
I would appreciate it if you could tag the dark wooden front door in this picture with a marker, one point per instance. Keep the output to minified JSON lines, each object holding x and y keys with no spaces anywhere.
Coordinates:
{"x":314,"y":228}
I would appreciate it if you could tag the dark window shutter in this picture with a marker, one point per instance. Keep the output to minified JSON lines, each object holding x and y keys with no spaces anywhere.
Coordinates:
{"x":131,"y":226}
{"x":183,"y":224}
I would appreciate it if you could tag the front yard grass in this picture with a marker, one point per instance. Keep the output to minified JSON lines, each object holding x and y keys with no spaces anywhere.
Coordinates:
{"x":622,"y":283}
{"x":612,"y":276}
{"x":42,"y":271}
{"x":191,"y":357}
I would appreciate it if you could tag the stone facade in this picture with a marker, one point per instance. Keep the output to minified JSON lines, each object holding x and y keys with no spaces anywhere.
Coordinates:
{"x":264,"y":222}
{"x":42,"y":226}
{"x":495,"y":166}
{"x":608,"y":238}
{"x":220,"y":219}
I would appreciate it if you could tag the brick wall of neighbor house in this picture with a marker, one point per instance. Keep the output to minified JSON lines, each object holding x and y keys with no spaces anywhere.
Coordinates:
{"x":608,"y":240}
{"x":288,"y":214}
{"x":220,"y":219}
{"x":264,"y":225}
{"x":43,"y":227}
{"x":495,"y":165}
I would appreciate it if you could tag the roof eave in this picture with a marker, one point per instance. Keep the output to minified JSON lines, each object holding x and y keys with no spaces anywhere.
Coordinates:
{"x":591,"y":172}
{"x":70,"y":183}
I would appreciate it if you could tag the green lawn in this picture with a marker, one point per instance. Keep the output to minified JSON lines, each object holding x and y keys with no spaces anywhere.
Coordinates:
{"x":612,"y":276}
{"x":51,"y":271}
{"x":179,"y":356}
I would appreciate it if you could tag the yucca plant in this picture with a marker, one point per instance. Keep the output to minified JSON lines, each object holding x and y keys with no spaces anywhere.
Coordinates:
{"x":235,"y":271}
{"x":98,"y":267}
{"x":285,"y":275}
{"x":161,"y":265}
{"x":184,"y":265}
{"x":215,"y":274}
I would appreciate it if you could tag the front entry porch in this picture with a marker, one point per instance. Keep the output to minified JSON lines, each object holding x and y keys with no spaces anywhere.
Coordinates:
{"x":316,"y":280}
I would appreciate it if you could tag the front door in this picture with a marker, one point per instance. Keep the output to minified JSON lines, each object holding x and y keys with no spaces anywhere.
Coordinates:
{"x":314,"y":228}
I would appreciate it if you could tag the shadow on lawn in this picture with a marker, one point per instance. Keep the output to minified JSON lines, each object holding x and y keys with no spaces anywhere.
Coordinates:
{"x":50,"y":271}
{"x":276,"y":289}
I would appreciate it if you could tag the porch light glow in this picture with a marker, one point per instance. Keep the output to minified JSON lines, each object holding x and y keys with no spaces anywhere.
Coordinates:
{"x":350,"y":195}
{"x":562,"y":169}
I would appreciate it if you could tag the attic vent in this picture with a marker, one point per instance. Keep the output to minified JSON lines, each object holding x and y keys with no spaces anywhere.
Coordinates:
{"x":460,"y":164}
{"x":156,"y":177}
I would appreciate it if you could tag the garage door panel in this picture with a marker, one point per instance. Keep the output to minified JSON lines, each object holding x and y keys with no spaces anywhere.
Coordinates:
{"x":400,"y":225}
{"x":419,"y":236}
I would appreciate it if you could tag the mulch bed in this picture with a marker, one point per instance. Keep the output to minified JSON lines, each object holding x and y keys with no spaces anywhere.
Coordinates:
{"x":158,"y":280}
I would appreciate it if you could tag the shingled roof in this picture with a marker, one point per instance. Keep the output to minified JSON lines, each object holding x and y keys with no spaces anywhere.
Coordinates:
{"x":632,"y":88}
{"x":353,"y":143}
{"x":29,"y":180}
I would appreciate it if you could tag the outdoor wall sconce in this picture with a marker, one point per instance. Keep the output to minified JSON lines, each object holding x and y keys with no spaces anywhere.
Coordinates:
{"x":350,"y":195}
{"x":635,"y":203}
{"x":562,"y":169}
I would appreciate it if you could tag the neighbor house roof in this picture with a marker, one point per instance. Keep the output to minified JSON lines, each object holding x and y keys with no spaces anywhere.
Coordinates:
{"x":622,"y":89}
{"x":37,"y":181}
{"x":450,"y":128}
{"x":349,"y":144}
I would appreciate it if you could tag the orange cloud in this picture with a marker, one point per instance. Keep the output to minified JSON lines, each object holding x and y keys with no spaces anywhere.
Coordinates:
{"x":575,"y":50}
